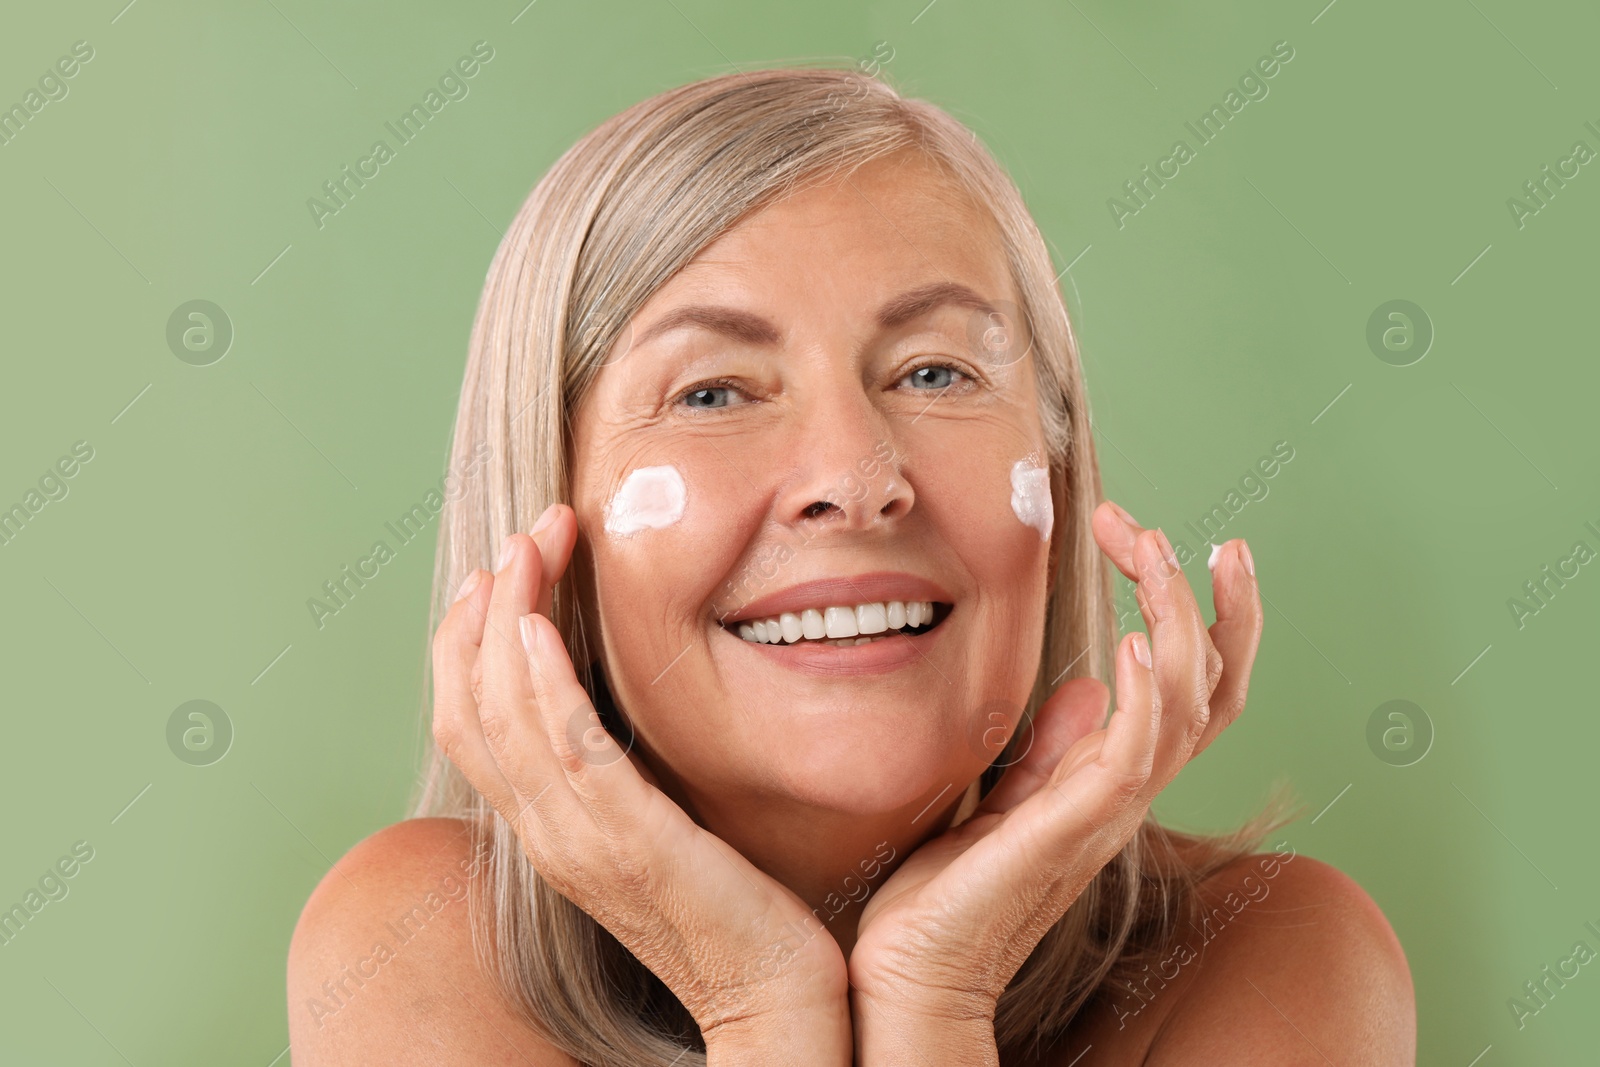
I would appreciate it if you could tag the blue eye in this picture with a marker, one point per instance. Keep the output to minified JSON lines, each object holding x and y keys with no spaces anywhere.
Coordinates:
{"x":708,"y":396}
{"x":933,"y":376}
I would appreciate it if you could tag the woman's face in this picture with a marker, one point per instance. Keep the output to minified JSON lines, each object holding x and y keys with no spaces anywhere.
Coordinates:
{"x":811,"y":416}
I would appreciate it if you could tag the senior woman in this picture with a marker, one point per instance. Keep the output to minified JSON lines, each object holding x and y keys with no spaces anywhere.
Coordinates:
{"x":778,"y":732}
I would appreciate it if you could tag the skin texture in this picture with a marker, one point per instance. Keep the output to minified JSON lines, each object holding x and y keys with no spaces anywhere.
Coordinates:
{"x":755,"y":793}
{"x":806,"y":776}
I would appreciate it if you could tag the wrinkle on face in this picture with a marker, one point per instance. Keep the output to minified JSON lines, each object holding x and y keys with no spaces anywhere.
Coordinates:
{"x":825,"y":412}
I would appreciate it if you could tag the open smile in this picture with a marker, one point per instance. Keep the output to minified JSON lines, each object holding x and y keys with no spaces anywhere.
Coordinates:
{"x":860,"y":624}
{"x":844,"y":626}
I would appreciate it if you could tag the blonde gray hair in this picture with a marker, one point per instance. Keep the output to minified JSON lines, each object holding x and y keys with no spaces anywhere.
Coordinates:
{"x":615,"y":217}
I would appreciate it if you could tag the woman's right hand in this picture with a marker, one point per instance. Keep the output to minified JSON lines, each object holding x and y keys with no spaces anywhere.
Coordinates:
{"x":510,"y":713}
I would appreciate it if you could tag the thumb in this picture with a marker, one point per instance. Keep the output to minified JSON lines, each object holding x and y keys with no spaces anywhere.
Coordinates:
{"x":1071,"y":713}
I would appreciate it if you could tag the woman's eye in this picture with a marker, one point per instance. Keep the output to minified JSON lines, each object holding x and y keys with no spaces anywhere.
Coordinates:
{"x":933,"y":376}
{"x":708,"y":396}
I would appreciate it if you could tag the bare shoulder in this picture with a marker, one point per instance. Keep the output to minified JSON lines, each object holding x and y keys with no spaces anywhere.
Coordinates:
{"x":1289,"y":962}
{"x":382,"y":967}
{"x":1300,"y":967}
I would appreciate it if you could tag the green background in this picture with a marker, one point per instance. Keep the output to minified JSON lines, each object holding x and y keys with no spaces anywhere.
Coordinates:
{"x":1228,"y":314}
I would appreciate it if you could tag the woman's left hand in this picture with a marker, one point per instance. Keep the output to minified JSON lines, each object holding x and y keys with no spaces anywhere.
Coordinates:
{"x":943,"y":936}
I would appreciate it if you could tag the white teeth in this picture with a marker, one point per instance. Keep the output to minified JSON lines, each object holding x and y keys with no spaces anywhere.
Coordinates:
{"x":811,"y":624}
{"x":872,"y":618}
{"x":839,"y":624}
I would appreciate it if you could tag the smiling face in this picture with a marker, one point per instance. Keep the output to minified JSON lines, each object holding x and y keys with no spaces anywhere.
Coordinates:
{"x":811,"y":416}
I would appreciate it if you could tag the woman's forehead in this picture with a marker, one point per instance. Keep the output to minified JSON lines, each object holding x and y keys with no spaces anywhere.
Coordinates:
{"x":865,"y":239}
{"x":889,"y":207}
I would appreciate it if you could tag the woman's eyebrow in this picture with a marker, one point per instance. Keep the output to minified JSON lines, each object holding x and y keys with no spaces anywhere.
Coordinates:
{"x":920,"y":301}
{"x":751,"y":328}
{"x":740,"y":325}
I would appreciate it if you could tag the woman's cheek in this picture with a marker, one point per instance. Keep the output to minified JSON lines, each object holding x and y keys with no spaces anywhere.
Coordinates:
{"x":1030,"y":495}
{"x":997,"y":499}
{"x":641,"y":550}
{"x":649,"y":498}
{"x":671,"y":530}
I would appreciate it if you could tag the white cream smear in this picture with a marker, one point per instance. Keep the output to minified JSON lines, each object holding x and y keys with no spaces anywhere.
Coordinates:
{"x":648,"y":499}
{"x":1030,"y":496}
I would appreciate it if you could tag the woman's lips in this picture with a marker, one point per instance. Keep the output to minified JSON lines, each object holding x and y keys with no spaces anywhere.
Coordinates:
{"x":871,"y":587}
{"x":889,"y":652}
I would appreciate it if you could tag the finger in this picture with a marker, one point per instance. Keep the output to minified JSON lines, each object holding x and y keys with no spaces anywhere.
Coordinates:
{"x":1116,"y":531}
{"x":598,"y":771}
{"x":1094,"y":799}
{"x":1118,"y":535}
{"x":525,"y":583}
{"x":1105,"y":798}
{"x":1186,"y":664}
{"x":456,"y":728}
{"x":1236,"y":634}
{"x":556,"y":533}
{"x":466,"y":615}
{"x":1071,"y":713}
{"x":518,"y":573}
{"x":511,"y":725}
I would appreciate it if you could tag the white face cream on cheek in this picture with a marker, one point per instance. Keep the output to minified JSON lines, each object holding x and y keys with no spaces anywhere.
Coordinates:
{"x":648,"y":499}
{"x":1030,"y":496}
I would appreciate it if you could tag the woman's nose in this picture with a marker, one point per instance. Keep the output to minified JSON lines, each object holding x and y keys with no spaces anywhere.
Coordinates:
{"x":850,"y":474}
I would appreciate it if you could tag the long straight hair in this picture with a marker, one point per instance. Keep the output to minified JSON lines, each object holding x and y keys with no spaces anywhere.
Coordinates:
{"x":611,"y":221}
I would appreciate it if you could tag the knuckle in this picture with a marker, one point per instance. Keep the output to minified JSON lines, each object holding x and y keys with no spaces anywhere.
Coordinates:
{"x":496,"y":728}
{"x":631,"y":878}
{"x":1232,"y":708}
{"x":496,"y":685}
{"x":543,"y":848}
{"x":446,"y":730}
{"x":1124,"y":784}
{"x":552,"y":873}
{"x":1214,"y":668}
{"x":444,"y":644}
{"x":1155,"y":599}
{"x":570,"y":754}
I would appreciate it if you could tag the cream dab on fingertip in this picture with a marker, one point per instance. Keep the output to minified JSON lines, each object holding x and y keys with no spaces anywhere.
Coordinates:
{"x":649,"y":498}
{"x":1030,"y":496}
{"x":1211,"y":564}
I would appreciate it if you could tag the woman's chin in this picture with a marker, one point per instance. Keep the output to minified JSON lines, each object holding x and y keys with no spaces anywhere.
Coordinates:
{"x":872,"y":780}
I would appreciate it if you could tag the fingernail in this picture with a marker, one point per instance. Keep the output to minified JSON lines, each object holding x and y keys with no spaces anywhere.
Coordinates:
{"x":545,"y":520}
{"x":1129,"y":519}
{"x":1166,"y":549}
{"x":1249,"y":563}
{"x":530,"y":640}
{"x":506,"y":552}
{"x":1141,"y":650}
{"x":469,"y":585}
